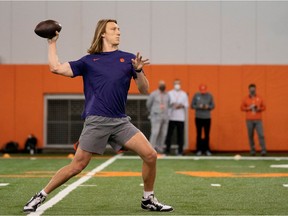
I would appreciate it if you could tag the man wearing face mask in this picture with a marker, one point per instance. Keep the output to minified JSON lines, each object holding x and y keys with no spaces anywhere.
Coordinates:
{"x":253,"y":105}
{"x":157,"y":105}
{"x":178,"y":105}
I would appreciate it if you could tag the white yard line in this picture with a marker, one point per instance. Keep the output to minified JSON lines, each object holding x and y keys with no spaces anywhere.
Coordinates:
{"x":62,"y":194}
{"x":216,"y":185}
{"x":211,"y":158}
{"x":279,"y":166}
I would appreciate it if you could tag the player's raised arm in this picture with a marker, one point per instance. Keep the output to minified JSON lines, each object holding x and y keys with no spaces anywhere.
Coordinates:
{"x":141,"y":80}
{"x":54,"y":63}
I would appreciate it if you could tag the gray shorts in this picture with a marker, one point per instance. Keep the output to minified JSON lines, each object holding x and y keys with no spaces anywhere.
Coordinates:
{"x":98,"y":131}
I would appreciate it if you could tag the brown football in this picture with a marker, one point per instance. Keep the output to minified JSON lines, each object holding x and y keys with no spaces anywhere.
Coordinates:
{"x":47,"y":28}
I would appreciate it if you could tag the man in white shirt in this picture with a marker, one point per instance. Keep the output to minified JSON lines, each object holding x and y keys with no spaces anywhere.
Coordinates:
{"x":178,"y":105}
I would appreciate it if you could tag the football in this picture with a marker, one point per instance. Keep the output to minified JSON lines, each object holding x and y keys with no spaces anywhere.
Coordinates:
{"x":47,"y":28}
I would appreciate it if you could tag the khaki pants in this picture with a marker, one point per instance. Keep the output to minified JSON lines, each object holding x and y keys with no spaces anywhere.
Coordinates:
{"x":255,"y":125}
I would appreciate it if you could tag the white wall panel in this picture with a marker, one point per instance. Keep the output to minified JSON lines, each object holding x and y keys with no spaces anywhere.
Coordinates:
{"x":134,"y":19}
{"x":92,"y":13}
{"x":69,"y":14}
{"x":203,"y":33}
{"x":238,"y":36}
{"x":6,"y":31}
{"x":26,"y":46}
{"x":169,"y":32}
{"x":272,"y":32}
{"x":166,"y":32}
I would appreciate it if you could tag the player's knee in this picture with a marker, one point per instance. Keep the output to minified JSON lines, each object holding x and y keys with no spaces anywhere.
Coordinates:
{"x":151,"y":156}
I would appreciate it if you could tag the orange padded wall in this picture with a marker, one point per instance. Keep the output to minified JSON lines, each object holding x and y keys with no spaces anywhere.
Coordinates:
{"x":23,"y":88}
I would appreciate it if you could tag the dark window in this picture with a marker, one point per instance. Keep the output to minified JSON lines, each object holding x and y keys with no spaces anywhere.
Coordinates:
{"x":136,"y":109}
{"x":64,"y":124}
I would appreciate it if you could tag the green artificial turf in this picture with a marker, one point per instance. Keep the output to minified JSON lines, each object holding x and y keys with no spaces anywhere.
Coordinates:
{"x":121,"y":195}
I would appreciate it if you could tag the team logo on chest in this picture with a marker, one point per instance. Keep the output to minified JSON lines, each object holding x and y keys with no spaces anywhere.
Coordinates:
{"x":122,"y":60}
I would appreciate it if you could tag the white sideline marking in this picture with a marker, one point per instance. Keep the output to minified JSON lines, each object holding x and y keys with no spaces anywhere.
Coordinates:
{"x":62,"y":194}
{"x":211,"y":158}
{"x":279,"y":166}
{"x":3,"y":184}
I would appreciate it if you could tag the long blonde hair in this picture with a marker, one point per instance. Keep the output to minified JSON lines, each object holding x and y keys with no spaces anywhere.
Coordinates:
{"x":97,"y":43}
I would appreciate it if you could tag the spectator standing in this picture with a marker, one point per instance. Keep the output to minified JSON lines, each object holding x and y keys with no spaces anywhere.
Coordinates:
{"x":178,"y":104}
{"x":254,"y":105}
{"x":202,"y":103}
{"x":157,"y":105}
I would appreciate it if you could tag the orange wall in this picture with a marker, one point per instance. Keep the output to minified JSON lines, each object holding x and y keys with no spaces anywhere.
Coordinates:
{"x":23,"y":88}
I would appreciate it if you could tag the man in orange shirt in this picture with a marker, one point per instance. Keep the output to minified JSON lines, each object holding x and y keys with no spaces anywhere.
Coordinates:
{"x":253,"y":105}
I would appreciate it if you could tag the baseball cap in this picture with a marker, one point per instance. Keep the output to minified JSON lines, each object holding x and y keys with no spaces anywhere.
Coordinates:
{"x":203,"y":88}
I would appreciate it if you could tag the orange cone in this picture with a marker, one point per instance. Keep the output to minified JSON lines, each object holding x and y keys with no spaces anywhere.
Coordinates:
{"x":70,"y":156}
{"x":6,"y":155}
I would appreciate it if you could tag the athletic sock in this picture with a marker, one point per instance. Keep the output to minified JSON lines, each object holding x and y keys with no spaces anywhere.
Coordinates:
{"x":43,"y":193}
{"x":147,"y":193}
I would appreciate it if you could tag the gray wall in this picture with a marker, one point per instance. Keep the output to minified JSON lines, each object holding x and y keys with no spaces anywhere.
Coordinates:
{"x":171,"y":32}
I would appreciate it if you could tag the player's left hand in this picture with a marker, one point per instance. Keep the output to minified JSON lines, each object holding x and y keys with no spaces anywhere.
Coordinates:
{"x":138,"y":63}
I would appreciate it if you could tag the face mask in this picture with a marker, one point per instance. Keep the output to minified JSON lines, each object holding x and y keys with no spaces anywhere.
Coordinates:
{"x":177,"y":87}
{"x":162,"y":88}
{"x":252,"y":91}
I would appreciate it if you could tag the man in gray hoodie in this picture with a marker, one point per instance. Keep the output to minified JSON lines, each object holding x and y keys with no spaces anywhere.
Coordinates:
{"x":157,"y":105}
{"x":203,"y":103}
